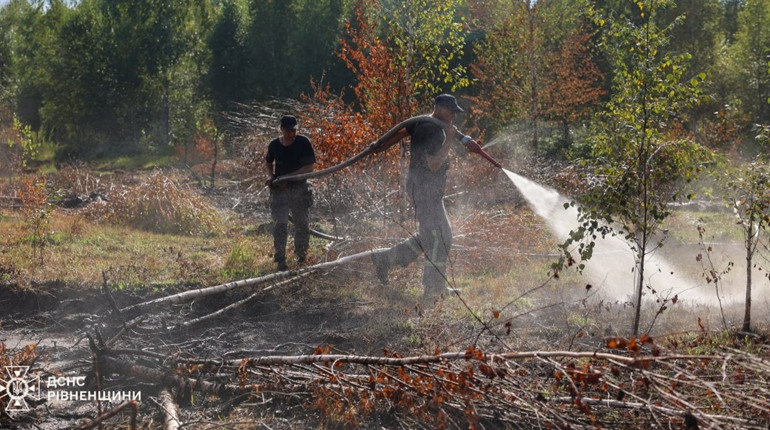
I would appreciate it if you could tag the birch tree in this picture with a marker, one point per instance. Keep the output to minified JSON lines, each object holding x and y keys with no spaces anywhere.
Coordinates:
{"x":638,"y":148}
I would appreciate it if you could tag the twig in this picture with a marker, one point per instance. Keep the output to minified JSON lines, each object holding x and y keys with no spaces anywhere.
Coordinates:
{"x":127,"y":326}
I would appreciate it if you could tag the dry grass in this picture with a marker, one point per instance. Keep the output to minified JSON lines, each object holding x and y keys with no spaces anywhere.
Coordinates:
{"x":152,"y":231}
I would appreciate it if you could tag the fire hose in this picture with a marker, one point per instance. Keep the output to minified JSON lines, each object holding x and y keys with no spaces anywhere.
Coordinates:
{"x":376,"y":146}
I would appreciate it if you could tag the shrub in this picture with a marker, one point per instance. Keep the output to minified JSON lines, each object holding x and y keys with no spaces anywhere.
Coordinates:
{"x":160,"y":205}
{"x":36,"y":211}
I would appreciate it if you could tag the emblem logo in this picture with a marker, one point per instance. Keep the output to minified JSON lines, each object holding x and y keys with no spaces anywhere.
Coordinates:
{"x":17,"y":387}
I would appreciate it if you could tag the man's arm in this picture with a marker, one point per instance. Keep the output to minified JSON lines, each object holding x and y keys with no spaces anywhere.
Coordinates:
{"x":382,"y":146}
{"x":269,"y":171}
{"x":307,"y":168}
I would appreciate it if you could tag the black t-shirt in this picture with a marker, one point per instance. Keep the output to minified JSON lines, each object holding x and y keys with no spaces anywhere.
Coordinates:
{"x":427,"y":139}
{"x":290,"y":158}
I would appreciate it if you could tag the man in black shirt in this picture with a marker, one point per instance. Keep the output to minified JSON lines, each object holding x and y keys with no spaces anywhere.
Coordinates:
{"x":428,"y":165}
{"x":290,"y":154}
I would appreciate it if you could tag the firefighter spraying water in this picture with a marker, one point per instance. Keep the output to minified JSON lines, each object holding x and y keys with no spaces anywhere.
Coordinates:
{"x":432,"y":136}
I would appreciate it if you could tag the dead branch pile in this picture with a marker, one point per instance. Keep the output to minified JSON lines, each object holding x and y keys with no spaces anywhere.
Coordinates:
{"x":631,"y":383}
{"x":477,"y":389}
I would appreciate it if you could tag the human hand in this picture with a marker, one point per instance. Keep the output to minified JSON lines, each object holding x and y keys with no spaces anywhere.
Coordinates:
{"x":473,"y":146}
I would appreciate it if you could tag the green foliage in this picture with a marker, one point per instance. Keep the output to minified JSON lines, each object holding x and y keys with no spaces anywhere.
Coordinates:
{"x":535,"y":63}
{"x":427,"y":39}
{"x":403,"y":55}
{"x":108,"y":77}
{"x":500,"y":67}
{"x":34,"y":145}
{"x":261,"y":49}
{"x":752,"y":50}
{"x":105,"y":78}
{"x":228,"y":76}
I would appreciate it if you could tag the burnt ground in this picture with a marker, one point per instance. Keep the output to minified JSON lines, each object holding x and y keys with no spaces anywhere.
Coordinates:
{"x":325,"y":313}
{"x":58,"y":320}
{"x":317,"y":312}
{"x":321,"y":314}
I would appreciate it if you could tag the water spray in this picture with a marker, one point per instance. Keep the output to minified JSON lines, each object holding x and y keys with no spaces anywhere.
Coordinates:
{"x":378,"y":146}
{"x":474,"y":146}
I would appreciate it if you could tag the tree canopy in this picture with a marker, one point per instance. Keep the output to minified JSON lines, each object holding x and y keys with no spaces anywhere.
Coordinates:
{"x":108,"y":76}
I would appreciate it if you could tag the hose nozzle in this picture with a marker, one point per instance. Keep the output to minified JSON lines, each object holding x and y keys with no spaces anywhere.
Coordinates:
{"x":475,"y":147}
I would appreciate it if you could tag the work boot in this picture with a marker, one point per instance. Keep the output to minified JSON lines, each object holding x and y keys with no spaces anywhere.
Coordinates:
{"x":301,"y":260}
{"x":381,"y":263}
{"x":282,"y":266}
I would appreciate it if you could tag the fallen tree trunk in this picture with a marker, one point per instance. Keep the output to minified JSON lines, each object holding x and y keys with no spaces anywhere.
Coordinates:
{"x":202,"y":292}
{"x":242,"y":302}
{"x":170,"y":413}
{"x":449,"y":356}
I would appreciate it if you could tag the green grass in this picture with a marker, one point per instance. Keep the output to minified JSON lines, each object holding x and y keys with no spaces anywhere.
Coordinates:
{"x":81,"y":251}
{"x":142,"y":161}
{"x":719,"y":226}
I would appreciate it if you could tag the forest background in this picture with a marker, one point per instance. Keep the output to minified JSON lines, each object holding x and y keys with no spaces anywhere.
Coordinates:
{"x":103,"y":78}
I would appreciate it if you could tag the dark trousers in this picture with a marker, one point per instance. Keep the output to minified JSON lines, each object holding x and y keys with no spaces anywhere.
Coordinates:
{"x":433,"y":239}
{"x":294,"y":198}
